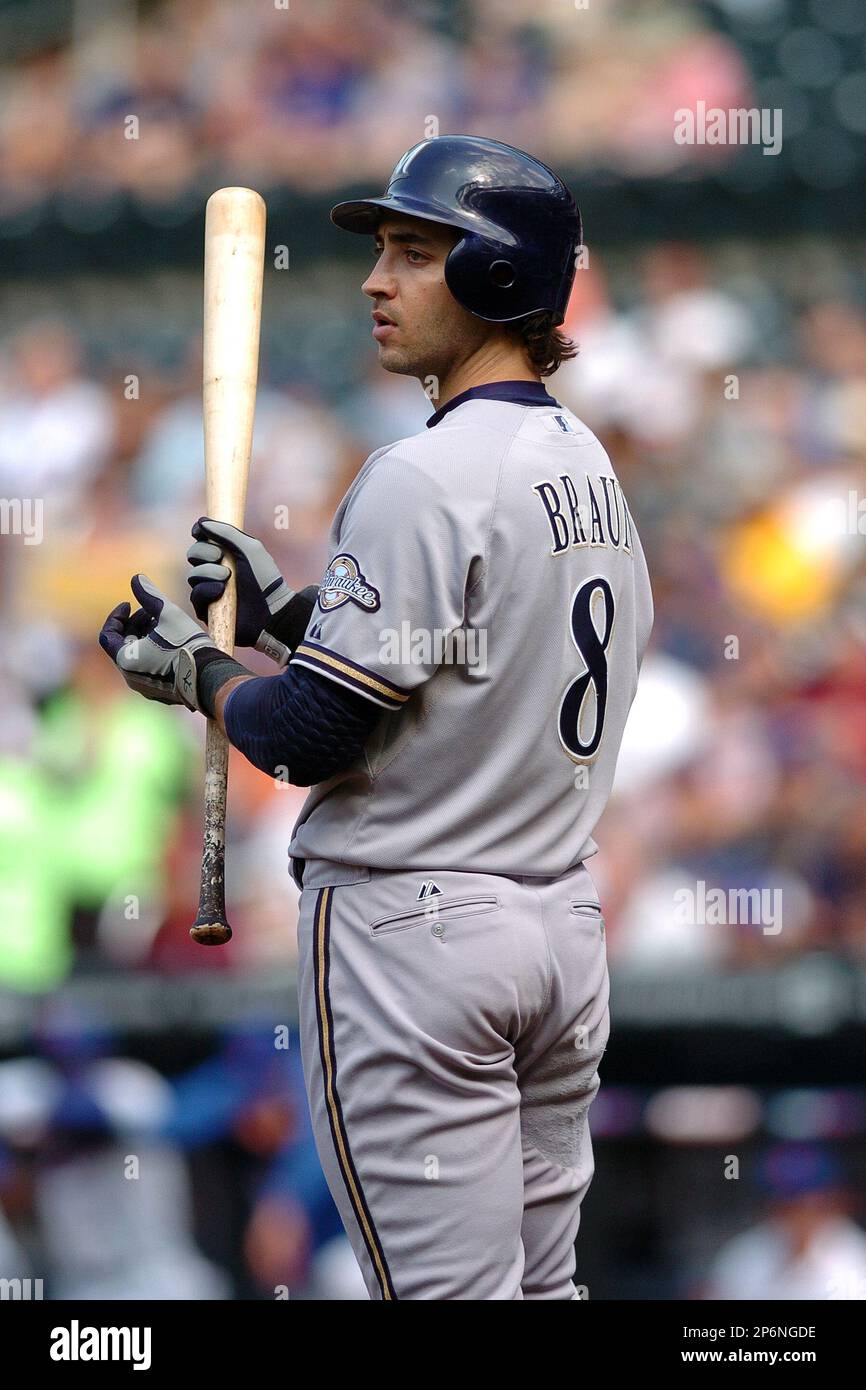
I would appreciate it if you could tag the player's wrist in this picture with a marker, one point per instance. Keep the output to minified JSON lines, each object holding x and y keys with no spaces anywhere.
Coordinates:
{"x":213,"y":670}
{"x":285,"y":628}
{"x":223,"y":698}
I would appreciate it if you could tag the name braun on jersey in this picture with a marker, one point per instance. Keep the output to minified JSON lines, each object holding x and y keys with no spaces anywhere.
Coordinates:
{"x":569,"y":518}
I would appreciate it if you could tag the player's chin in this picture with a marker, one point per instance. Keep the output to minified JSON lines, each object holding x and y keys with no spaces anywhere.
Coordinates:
{"x":396,"y":359}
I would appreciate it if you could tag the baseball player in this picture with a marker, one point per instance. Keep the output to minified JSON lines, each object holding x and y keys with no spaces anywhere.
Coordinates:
{"x":455,"y":692}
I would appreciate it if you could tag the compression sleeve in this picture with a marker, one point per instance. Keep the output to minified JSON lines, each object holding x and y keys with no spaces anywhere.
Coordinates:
{"x":299,"y":725}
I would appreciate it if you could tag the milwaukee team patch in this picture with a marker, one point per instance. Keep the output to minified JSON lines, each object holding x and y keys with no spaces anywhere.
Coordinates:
{"x":344,"y":583}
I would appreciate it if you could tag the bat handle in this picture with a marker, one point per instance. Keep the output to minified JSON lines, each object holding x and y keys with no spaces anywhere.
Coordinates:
{"x":211,"y":927}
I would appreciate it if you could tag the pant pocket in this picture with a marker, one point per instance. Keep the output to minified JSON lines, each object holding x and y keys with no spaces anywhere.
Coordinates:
{"x":587,"y":912}
{"x":436,"y":910}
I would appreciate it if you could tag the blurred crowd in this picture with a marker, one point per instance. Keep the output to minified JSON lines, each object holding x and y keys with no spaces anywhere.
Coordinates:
{"x":313,"y":95}
{"x":734,"y":410}
{"x":737,"y":423}
{"x":100,"y":793}
{"x":119,"y":1182}
{"x":728,"y":382}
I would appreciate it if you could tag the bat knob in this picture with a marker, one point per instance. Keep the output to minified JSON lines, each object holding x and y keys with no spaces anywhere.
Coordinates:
{"x":210,"y":933}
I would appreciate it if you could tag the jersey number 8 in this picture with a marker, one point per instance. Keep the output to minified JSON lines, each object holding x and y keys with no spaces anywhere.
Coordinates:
{"x":592,"y":649}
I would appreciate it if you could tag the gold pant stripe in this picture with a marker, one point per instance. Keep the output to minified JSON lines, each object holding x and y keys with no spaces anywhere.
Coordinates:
{"x":341,"y":1143}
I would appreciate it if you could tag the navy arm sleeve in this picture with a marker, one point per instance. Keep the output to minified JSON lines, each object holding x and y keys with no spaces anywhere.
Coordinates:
{"x":300,"y":721}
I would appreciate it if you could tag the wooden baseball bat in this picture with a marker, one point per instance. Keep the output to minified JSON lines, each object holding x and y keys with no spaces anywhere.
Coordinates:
{"x":234,"y":254}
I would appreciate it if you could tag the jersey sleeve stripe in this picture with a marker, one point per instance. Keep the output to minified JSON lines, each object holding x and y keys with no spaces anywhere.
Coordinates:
{"x":350,"y":674}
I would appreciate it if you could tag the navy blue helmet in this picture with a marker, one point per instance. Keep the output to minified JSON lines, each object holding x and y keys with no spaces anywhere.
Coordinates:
{"x":521,"y":225}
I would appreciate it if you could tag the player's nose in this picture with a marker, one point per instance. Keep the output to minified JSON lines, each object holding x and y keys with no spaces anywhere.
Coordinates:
{"x":379,"y":283}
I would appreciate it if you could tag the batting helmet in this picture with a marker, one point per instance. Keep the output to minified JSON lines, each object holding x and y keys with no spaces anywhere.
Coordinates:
{"x":521,"y":225}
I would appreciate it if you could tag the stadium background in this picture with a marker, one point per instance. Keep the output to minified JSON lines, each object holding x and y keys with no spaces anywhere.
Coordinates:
{"x":153,"y":1141}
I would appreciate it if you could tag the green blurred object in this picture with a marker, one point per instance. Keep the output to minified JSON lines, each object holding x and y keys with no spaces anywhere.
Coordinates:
{"x":85,"y":816}
{"x":35,"y":949}
{"x":118,"y":776}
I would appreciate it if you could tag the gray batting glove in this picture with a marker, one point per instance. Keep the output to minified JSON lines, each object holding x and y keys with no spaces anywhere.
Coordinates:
{"x":270,"y":617}
{"x":159,"y":650}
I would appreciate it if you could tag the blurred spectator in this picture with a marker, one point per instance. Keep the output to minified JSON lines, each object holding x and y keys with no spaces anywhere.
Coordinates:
{"x":807,"y":1247}
{"x":249,"y":1097}
{"x":111,"y":1199}
{"x":55,"y":425}
{"x":649,"y":369}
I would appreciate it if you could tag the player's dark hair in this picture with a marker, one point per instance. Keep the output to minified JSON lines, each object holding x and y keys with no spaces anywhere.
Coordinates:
{"x":546,"y":347}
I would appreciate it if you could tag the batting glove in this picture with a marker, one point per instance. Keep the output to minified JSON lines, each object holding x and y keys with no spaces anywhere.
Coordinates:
{"x":271,"y":617}
{"x":158,"y":649}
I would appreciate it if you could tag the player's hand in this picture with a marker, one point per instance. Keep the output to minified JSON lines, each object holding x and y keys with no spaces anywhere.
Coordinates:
{"x":271,"y":617}
{"x":156,"y":648}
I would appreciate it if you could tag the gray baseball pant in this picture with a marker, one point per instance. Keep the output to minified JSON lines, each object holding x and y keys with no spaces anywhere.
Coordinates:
{"x":450,"y":1042}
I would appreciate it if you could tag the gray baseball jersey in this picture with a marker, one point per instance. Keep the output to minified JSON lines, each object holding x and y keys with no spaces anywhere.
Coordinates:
{"x":488,"y":589}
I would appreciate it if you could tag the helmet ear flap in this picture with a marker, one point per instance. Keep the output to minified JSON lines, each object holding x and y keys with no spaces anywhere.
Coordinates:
{"x":486,"y":284}
{"x":501,"y":274}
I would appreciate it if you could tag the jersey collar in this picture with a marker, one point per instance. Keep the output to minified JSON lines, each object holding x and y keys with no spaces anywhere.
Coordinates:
{"x":515,"y":392}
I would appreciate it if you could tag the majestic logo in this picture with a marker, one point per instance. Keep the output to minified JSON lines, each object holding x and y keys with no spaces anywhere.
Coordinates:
{"x":428,"y":889}
{"x":344,"y":583}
